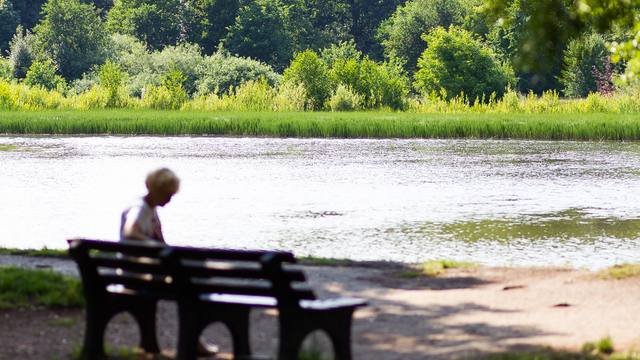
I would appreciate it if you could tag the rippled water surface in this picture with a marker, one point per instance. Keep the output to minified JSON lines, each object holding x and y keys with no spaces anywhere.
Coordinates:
{"x":494,"y":202}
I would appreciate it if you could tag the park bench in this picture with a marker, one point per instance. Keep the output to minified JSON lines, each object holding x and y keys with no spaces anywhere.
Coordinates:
{"x":223,"y":285}
{"x":209,"y":286}
{"x":117,"y":277}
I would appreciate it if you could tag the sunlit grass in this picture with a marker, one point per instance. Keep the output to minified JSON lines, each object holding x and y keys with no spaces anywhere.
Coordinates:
{"x":377,"y":124}
{"x":623,"y":271}
{"x":23,"y":287}
{"x":600,"y":350}
{"x":434,"y":267}
{"x":33,"y":252}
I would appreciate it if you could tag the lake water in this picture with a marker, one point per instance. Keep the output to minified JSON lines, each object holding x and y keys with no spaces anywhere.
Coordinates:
{"x":494,"y":202}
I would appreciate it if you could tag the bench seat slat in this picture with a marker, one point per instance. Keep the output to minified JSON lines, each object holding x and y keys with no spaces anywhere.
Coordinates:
{"x":263,"y":301}
{"x":136,"y":248}
{"x":128,"y":265}
{"x":192,"y":271}
{"x":135,"y":284}
{"x":333,"y":303}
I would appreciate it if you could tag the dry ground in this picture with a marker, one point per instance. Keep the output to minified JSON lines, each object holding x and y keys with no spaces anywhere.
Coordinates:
{"x":463,"y":313}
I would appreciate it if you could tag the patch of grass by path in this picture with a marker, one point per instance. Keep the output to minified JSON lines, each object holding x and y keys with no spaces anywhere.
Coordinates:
{"x":600,"y":350}
{"x":33,"y":252}
{"x":312,"y":260}
{"x":623,"y":271}
{"x":23,"y":287}
{"x":434,"y":267}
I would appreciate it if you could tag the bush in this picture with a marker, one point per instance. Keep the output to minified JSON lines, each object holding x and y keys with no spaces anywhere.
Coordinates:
{"x":44,"y":74}
{"x":290,"y":97}
{"x":580,"y":58}
{"x":458,"y":63}
{"x":21,"y":54}
{"x":309,"y":70}
{"x":111,"y":79}
{"x":221,"y":71}
{"x":378,"y":85}
{"x":343,"y":99}
{"x":254,"y":95}
{"x":5,"y":69}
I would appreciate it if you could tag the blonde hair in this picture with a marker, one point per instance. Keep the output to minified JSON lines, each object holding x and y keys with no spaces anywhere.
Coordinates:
{"x":163,"y":180}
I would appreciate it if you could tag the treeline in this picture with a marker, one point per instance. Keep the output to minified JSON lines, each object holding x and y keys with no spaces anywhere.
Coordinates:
{"x":339,"y":54}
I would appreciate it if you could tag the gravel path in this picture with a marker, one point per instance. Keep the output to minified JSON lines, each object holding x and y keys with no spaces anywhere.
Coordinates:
{"x":461,"y":313}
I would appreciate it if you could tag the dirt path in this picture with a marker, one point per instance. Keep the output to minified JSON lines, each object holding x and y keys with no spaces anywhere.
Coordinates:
{"x":461,"y":313}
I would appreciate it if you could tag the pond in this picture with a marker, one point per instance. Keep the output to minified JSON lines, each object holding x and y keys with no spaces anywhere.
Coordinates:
{"x":497,"y":202}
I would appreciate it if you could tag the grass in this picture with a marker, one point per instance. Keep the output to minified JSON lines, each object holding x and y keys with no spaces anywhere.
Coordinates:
{"x":623,"y":271}
{"x":33,"y":252}
{"x":434,"y":267}
{"x":600,"y":350}
{"x":24,"y":287}
{"x":312,"y":260}
{"x":376,"y":124}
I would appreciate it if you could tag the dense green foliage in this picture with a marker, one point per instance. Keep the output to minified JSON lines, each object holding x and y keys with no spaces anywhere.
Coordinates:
{"x":369,"y":48}
{"x":22,"y":287}
{"x":401,"y":34}
{"x":456,"y":64}
{"x":582,"y":56}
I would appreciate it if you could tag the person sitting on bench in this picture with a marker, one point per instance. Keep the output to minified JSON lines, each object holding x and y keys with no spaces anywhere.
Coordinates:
{"x":140,"y":221}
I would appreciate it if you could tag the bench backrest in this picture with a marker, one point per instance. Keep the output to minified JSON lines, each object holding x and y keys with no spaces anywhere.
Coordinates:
{"x":198,"y":272}
{"x":131,"y":267}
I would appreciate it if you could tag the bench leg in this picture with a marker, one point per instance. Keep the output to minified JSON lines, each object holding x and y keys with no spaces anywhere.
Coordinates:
{"x":188,"y":333}
{"x":340,"y":333}
{"x":293,"y":330}
{"x":97,"y":320}
{"x":239,"y":329}
{"x":145,"y":314}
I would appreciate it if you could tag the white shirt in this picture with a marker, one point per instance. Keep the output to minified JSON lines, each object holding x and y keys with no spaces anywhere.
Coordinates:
{"x":145,"y":218}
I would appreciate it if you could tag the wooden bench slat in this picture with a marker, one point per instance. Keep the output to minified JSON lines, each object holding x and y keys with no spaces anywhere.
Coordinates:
{"x":128,"y":265}
{"x":264,"y":301}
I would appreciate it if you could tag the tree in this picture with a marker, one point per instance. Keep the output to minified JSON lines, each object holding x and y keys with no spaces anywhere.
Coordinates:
{"x":309,"y":70}
{"x":581,"y":57}
{"x":365,"y":18}
{"x":221,"y":71}
{"x":9,"y":21}
{"x":157,"y":23}
{"x":72,"y":35}
{"x":21,"y":53}
{"x":401,"y":34}
{"x":260,"y":33}
{"x":536,"y":71}
{"x":44,"y":74}
{"x":461,"y":65}
{"x":209,"y":21}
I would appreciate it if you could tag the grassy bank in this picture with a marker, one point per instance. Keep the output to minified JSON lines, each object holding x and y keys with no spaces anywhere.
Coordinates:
{"x":23,"y":287}
{"x":324,"y":125}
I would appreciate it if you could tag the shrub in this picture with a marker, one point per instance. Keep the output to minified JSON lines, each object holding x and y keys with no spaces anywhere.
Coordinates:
{"x":221,"y":71}
{"x":343,"y":99}
{"x":377,"y":84}
{"x":290,"y":97}
{"x":111,"y":79}
{"x":254,"y":95}
{"x":44,"y":74}
{"x":460,"y":64}
{"x":5,"y":69}
{"x":21,"y":54}
{"x":309,"y":70}
{"x":581,"y":57}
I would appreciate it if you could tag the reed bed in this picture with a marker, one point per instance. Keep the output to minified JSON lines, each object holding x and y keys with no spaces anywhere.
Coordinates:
{"x":324,"y":124}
